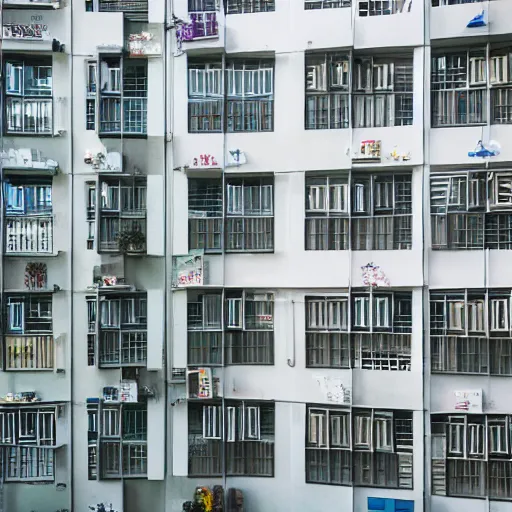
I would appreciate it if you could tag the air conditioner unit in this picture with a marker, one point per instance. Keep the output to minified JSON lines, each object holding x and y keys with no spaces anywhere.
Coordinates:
{"x":200,"y":383}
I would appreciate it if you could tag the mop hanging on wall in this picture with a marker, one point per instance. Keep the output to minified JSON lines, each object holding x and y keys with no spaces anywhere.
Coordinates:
{"x":491,"y":148}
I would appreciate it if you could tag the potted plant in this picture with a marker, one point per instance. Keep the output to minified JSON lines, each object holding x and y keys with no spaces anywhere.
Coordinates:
{"x":131,"y":241}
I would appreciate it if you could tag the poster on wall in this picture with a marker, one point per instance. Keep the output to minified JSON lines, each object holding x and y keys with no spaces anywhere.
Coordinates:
{"x":334,"y":390}
{"x":469,"y":401}
{"x":188,"y":270}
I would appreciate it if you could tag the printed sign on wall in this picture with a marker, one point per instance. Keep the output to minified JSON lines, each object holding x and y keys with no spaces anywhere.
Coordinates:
{"x":469,"y":401}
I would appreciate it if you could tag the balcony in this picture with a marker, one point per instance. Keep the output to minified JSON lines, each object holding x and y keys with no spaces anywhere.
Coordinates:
{"x":18,"y":36}
{"x":128,"y":348}
{"x":29,"y":235}
{"x":29,"y":352}
{"x":29,"y":116}
{"x":126,"y":235}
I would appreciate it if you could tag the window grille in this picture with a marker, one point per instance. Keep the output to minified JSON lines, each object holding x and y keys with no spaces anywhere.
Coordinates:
{"x":249,"y":6}
{"x":134,"y":10}
{"x":438,"y":3}
{"x":28,"y":96}
{"x":383,"y":7}
{"x":380,"y":212}
{"x":123,"y":330}
{"x":250,"y":215}
{"x":327,"y":91}
{"x":29,"y":464}
{"x":123,"y":102}
{"x":326,"y":4}
{"x":248,"y":439}
{"x":470,"y":455}
{"x":377,"y":451}
{"x":205,"y":214}
{"x":470,"y":332}
{"x":29,"y":313}
{"x":378,"y":337}
{"x":122,"y":210}
{"x":245,"y":94}
{"x":469,"y":210}
{"x":248,"y":328}
{"x":28,"y":426}
{"x":382,"y":92}
{"x":459,"y":89}
{"x":90,"y":95}
{"x":122,"y":436}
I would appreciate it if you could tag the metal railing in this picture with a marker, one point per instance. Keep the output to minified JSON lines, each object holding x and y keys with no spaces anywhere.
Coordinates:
{"x":29,"y":115}
{"x":29,"y":352}
{"x":29,"y":235}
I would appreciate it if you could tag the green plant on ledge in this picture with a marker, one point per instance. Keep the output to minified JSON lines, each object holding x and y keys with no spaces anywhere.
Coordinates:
{"x":131,"y":241}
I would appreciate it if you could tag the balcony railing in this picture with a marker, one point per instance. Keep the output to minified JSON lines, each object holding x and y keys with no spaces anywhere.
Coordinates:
{"x":29,"y":115}
{"x":29,"y":235}
{"x":135,"y":10}
{"x":126,"y":348}
{"x":29,"y":352}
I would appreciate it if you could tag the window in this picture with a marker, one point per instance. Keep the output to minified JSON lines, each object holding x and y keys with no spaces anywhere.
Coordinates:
{"x":122,"y":330}
{"x":29,"y":314}
{"x":437,"y":3}
{"x":28,"y":426}
{"x":381,"y":210}
{"x":245,"y":90}
{"x":122,"y":437}
{"x":204,"y":320}
{"x":383,"y":7}
{"x":205,"y":214}
{"x":249,"y":334}
{"x":249,"y":6}
{"x":250,"y":96}
{"x":122,"y":216}
{"x":379,"y":215}
{"x":90,"y":95}
{"x":244,"y":430}
{"x":123,"y":96}
{"x":327,"y":344}
{"x":327,"y":219}
{"x":203,"y":5}
{"x":29,"y":221}
{"x":28,"y":96}
{"x":327,"y":90}
{"x":476,"y":463}
{"x":459,"y":88}
{"x":326,"y":4}
{"x":250,"y":215}
{"x":470,"y":210}
{"x":29,"y":464}
{"x":248,"y":326}
{"x":383,"y":92}
{"x":380,"y":452}
{"x":133,"y":11}
{"x":91,"y":214}
{"x":470,"y":332}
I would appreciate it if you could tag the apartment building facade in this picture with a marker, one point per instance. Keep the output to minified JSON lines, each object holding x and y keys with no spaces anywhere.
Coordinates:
{"x":256,"y":244}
